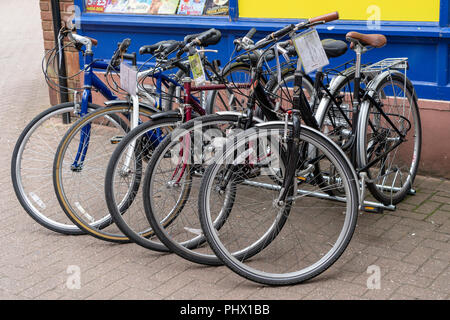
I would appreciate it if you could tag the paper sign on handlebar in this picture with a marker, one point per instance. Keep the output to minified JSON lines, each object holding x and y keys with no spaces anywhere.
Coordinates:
{"x":310,"y":50}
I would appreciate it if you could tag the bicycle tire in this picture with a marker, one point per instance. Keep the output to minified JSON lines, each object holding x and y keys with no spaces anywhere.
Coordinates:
{"x":248,"y":268}
{"x":143,"y":236}
{"x":81,"y":211}
{"x":183,"y":236}
{"x":34,"y":204}
{"x":410,"y":161}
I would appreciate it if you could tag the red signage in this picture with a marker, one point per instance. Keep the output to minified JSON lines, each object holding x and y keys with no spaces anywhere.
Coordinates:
{"x":96,"y":5}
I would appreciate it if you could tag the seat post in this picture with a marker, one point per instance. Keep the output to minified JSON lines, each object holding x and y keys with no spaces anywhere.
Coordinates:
{"x":356,"y":96}
{"x":358,"y":51}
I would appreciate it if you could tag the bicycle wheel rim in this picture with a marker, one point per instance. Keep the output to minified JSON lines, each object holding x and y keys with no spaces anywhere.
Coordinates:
{"x":406,"y":156}
{"x":48,"y":220}
{"x":75,"y":207}
{"x":138,"y":231}
{"x":184,"y":236}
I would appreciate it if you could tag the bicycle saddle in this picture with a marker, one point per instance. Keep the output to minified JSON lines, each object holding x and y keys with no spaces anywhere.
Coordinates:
{"x":160,"y":46}
{"x":373,"y":40}
{"x":334,"y":48}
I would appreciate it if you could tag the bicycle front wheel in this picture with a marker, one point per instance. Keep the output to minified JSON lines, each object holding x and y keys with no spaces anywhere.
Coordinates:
{"x":124,"y":168}
{"x":79,"y":169}
{"x":31,"y":166}
{"x":289,"y":242}
{"x":172,"y":182}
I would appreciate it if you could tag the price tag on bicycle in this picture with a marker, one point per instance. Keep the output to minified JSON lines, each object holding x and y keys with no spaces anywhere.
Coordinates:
{"x":198,"y":72}
{"x":128,"y":78}
{"x":310,"y":50}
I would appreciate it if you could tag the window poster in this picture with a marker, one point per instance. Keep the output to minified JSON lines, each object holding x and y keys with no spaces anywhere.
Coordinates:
{"x":155,"y":7}
{"x":191,"y":7}
{"x":139,"y":6}
{"x":117,"y":6}
{"x":96,"y":5}
{"x":164,"y":6}
{"x":216,"y":7}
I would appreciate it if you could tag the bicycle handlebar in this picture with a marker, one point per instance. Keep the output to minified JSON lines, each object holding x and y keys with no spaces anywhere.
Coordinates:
{"x":80,"y":40}
{"x":289,"y":28}
{"x":246,"y":41}
{"x":250,"y":34}
{"x":204,"y":39}
{"x":209,"y":38}
{"x":122,"y":48}
{"x":325,"y":18}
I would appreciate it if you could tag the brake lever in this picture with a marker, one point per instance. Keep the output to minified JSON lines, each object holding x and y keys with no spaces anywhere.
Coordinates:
{"x":207,"y":50}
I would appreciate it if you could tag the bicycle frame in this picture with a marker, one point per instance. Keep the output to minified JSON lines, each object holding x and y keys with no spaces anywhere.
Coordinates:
{"x":92,"y":81}
{"x":191,"y":104}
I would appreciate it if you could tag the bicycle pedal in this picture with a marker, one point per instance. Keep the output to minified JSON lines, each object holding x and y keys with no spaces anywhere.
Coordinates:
{"x":372,"y":209}
{"x":116,"y":139}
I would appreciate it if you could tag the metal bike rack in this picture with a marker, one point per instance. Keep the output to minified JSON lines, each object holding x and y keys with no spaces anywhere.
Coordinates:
{"x":319,"y":195}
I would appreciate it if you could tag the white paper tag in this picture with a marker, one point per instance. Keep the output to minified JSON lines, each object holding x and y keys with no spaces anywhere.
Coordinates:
{"x":197,"y":69}
{"x":310,"y":50}
{"x":128,"y":78}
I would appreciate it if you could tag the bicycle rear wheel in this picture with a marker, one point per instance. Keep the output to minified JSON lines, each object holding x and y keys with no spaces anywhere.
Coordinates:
{"x":232,"y":98}
{"x":290,"y":242}
{"x":391,"y":160}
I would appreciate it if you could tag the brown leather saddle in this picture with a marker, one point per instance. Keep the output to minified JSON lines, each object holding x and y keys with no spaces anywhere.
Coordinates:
{"x":373,"y":40}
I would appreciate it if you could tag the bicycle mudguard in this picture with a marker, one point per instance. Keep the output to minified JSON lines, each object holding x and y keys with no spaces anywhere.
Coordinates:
{"x":113,"y":103}
{"x":380,"y":77}
{"x":166,"y":114}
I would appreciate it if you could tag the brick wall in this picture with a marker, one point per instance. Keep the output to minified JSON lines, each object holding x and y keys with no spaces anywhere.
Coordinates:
{"x":71,"y":55}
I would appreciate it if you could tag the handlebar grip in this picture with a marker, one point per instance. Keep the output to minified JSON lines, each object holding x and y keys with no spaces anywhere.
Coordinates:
{"x":325,"y":18}
{"x":171,"y":47}
{"x":282,"y":32}
{"x":123,"y":47}
{"x":145,"y":49}
{"x":208,"y":38}
{"x":251,"y":33}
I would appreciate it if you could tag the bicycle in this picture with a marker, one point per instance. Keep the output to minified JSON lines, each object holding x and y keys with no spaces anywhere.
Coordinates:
{"x":184,"y":236}
{"x":335,"y":108}
{"x":37,"y":143}
{"x":287,"y":235}
{"x":136,"y":230}
{"x":180,"y":235}
{"x":303,"y":169}
{"x":88,"y":210}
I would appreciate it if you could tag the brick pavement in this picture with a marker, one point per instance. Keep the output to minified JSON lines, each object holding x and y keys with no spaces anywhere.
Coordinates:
{"x":411,"y":245}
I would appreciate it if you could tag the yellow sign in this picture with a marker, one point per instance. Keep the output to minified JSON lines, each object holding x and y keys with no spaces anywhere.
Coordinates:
{"x":384,"y":10}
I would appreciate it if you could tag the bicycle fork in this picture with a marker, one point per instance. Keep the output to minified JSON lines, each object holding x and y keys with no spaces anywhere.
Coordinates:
{"x":134,"y":123}
{"x":292,"y":140}
{"x":85,"y":133}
